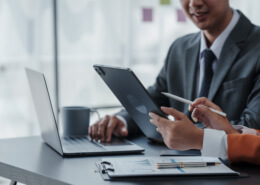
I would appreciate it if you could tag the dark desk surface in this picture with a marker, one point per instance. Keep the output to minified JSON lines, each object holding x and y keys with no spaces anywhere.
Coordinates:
{"x":30,"y":161}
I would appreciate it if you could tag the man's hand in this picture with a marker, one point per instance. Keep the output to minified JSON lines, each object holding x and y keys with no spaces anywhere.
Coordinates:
{"x":181,"y":134}
{"x":104,"y":128}
{"x":200,"y":111}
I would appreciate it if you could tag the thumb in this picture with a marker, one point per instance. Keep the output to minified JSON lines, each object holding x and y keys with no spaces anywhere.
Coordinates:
{"x":173,"y":112}
{"x":122,"y":130}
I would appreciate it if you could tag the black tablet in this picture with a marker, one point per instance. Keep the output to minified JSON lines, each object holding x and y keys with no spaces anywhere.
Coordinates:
{"x":133,"y":96}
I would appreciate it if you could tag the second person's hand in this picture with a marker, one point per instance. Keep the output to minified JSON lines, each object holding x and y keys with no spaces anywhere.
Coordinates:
{"x":200,"y":112}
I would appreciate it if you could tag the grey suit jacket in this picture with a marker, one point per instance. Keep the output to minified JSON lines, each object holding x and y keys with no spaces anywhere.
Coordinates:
{"x":235,"y":86}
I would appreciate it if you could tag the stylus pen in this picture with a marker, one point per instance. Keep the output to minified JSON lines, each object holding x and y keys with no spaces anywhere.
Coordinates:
{"x":190,"y":102}
{"x":185,"y":165}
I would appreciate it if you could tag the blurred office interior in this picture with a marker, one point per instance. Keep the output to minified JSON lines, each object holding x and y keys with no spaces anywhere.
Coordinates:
{"x":126,"y":33}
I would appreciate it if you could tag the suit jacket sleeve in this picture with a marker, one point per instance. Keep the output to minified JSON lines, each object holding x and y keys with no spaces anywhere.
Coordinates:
{"x":244,"y":148}
{"x":250,"y":116}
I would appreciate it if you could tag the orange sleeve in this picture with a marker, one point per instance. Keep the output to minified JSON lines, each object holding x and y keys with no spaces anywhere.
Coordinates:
{"x":244,"y":148}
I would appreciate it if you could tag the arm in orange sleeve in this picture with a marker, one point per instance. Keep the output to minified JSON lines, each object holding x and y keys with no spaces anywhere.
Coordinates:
{"x":244,"y":148}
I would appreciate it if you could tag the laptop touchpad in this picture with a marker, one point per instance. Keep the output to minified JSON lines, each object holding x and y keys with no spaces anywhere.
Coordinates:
{"x":116,"y":142}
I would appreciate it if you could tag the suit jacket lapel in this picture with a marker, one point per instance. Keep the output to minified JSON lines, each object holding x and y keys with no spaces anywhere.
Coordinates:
{"x":229,"y":53}
{"x":191,"y":61}
{"x":227,"y":58}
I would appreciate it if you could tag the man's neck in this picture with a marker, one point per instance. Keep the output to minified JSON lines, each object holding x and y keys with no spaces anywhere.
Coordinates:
{"x":212,"y":34}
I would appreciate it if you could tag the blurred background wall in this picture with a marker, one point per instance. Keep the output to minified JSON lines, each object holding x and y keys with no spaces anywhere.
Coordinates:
{"x":130,"y":33}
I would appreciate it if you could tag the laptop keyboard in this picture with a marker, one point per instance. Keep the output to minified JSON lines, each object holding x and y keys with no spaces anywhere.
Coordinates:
{"x":80,"y":144}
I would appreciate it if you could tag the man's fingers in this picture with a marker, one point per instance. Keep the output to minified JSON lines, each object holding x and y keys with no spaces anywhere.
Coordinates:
{"x":205,"y":111}
{"x":204,"y":101}
{"x":102,"y":128}
{"x":112,"y":124}
{"x":121,"y":130}
{"x":158,"y":121}
{"x":201,"y":113}
{"x":90,"y":131}
{"x":173,"y":112}
{"x":196,"y":115}
{"x":94,"y":132}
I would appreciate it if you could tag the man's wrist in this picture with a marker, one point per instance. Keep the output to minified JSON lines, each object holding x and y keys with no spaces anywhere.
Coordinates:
{"x":232,"y":130}
{"x":199,"y":141}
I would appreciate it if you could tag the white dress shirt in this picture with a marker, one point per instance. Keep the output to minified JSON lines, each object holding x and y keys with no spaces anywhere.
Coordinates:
{"x":216,"y":48}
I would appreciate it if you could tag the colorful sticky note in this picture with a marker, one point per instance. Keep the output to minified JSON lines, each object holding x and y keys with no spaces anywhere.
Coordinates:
{"x":147,"y":14}
{"x":181,"y":17}
{"x":165,"y":2}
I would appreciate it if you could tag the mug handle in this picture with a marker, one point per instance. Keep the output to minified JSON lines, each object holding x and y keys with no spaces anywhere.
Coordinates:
{"x":95,"y":111}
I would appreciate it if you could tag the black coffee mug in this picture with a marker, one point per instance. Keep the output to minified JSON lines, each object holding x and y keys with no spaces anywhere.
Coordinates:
{"x":75,"y":120}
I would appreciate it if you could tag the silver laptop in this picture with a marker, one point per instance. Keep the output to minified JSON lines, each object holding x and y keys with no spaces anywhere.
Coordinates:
{"x":68,"y":146}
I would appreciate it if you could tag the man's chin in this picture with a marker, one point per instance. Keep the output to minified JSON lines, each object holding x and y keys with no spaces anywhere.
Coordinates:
{"x":201,"y":26}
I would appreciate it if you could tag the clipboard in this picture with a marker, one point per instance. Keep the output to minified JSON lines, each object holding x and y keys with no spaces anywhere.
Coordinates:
{"x":172,"y":152}
{"x":103,"y":169}
{"x":142,"y":167}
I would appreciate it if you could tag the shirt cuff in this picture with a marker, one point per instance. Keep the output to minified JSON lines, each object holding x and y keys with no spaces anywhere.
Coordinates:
{"x":246,"y":130}
{"x":214,"y":144}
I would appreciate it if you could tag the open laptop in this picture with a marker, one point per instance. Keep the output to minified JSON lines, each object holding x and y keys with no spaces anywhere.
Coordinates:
{"x":68,"y":146}
{"x":133,"y":96}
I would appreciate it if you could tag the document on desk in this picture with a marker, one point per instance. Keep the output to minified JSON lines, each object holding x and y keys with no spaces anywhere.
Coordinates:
{"x":148,"y":166}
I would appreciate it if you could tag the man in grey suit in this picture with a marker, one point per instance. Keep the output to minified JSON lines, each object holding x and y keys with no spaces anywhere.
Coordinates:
{"x":221,"y":62}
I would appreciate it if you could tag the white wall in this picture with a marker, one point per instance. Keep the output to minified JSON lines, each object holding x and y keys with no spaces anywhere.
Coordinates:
{"x":90,"y":31}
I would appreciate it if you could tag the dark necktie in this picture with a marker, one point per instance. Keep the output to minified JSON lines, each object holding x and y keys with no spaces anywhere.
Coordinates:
{"x":209,"y":58}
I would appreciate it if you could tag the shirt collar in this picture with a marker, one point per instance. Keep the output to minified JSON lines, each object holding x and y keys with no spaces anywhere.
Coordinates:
{"x":217,"y":45}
